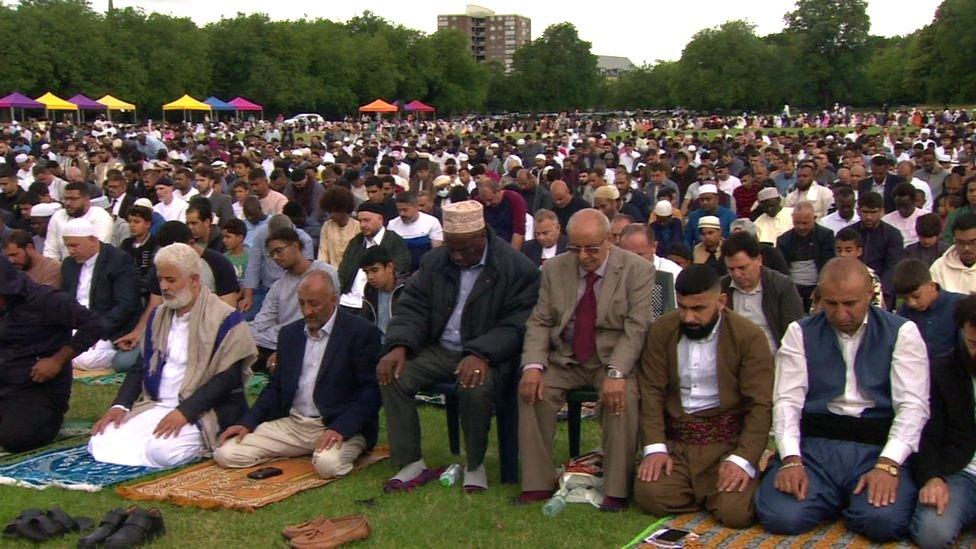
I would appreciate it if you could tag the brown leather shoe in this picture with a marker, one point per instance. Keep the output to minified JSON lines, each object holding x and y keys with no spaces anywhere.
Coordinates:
{"x":332,"y":533}
{"x":290,"y":532}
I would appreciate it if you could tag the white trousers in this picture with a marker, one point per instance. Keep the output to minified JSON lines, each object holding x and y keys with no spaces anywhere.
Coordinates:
{"x":133,"y":443}
{"x":98,"y":357}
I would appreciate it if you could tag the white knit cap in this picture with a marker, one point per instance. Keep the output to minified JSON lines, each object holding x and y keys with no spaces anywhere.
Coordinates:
{"x":79,"y":227}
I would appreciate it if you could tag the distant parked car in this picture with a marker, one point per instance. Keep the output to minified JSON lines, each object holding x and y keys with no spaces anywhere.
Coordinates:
{"x":305,"y":118}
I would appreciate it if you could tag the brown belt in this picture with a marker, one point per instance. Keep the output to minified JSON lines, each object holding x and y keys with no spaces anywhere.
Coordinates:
{"x":712,"y":430}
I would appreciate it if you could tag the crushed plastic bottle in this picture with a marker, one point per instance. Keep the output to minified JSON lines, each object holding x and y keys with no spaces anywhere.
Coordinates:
{"x":554,"y":506}
{"x":451,"y":475}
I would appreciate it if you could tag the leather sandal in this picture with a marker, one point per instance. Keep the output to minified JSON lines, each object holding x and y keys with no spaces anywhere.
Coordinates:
{"x":331,"y":534}
{"x":291,"y":532}
{"x":110,"y":524}
{"x":140,"y":527}
{"x":71,"y":524}
{"x":10,"y":530}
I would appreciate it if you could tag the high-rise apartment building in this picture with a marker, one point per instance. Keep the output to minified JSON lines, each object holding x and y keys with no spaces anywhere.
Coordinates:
{"x":492,"y":37}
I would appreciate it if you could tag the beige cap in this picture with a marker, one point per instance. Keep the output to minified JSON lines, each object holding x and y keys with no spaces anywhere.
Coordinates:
{"x":606,"y":192}
{"x":463,"y":217}
{"x":767,"y":194}
{"x":709,"y":222}
{"x":441,"y":181}
{"x":663,"y":209}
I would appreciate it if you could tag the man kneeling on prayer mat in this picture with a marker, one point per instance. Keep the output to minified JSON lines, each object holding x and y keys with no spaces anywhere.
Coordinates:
{"x":322,"y":398}
{"x":706,"y":385}
{"x":849,"y":404}
{"x":197,"y":352}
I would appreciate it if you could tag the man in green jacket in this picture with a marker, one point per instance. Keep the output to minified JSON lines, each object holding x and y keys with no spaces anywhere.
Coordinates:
{"x":352,"y":279}
{"x":460,"y":319}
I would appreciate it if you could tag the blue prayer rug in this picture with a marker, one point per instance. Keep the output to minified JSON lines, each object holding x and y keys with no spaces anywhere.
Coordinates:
{"x":71,"y":468}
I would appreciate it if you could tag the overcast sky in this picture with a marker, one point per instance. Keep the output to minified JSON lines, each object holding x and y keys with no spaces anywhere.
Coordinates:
{"x":641,"y":30}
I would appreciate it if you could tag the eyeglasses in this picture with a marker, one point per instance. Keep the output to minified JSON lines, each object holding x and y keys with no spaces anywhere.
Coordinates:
{"x":273,"y":253}
{"x":588,"y":250}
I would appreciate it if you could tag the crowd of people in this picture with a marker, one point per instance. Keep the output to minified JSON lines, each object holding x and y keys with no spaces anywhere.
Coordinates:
{"x":712,"y":288}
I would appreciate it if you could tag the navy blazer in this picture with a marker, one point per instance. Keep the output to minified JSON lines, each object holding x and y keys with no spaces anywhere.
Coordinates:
{"x":114,"y":296}
{"x":346,"y":393}
{"x":533,"y":250}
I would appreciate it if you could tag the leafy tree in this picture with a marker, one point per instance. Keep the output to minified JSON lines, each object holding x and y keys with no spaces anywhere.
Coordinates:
{"x":556,"y":72}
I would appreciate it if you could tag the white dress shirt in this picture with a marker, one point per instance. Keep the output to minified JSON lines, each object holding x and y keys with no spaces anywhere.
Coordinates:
{"x":315,"y":344}
{"x":749,"y":305}
{"x":835,"y":222}
{"x":698,"y":373}
{"x":354,"y":297}
{"x":83,"y":292}
{"x":905,"y":225}
{"x":909,"y":390}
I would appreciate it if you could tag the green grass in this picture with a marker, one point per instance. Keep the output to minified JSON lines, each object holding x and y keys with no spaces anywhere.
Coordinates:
{"x":431,"y":516}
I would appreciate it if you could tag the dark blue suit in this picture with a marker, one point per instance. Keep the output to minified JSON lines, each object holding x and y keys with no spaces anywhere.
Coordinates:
{"x":346,"y":393}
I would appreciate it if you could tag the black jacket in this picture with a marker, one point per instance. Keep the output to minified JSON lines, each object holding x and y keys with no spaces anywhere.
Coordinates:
{"x":949,"y":438}
{"x":35,"y":323}
{"x":533,"y":250}
{"x":371,"y":300}
{"x":883,"y":249}
{"x":346,"y":392}
{"x":781,"y":303}
{"x":115,"y":294}
{"x":349,"y":265}
{"x":643,"y":204}
{"x":493,"y":322}
{"x":823,"y":242}
{"x":890,"y":182}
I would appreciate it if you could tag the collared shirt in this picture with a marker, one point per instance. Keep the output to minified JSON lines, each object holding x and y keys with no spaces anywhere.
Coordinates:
{"x":315,"y":344}
{"x":451,"y":338}
{"x":116,"y":205}
{"x":601,"y":271}
{"x":177,"y":350}
{"x":749,"y":305}
{"x":905,"y":225}
{"x":698,"y":378}
{"x":768,"y":229}
{"x":909,"y":390}
{"x":354,"y":297}
{"x":549,"y":253}
{"x":83,"y":292}
{"x":835,"y":222}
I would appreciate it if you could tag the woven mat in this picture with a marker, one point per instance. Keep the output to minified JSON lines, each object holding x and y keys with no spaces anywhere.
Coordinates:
{"x":209,"y":486}
{"x":71,"y":468}
{"x":106,"y":376}
{"x":831,"y":535}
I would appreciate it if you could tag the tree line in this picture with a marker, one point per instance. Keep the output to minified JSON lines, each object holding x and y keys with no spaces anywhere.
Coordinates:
{"x":824,"y":54}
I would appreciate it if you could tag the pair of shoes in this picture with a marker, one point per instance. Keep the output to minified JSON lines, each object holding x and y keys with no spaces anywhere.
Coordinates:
{"x":397,"y":485}
{"x":323,"y":533}
{"x":131,"y":527}
{"x":614,"y":505}
{"x":532,"y":496}
{"x":39,"y":526}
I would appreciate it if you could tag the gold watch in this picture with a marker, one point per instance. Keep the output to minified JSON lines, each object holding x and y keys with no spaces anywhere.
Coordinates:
{"x":890,"y":469}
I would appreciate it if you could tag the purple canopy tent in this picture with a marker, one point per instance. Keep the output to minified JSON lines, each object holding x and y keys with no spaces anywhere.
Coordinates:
{"x":19,"y":101}
{"x":242,"y":104}
{"x":86,"y":103}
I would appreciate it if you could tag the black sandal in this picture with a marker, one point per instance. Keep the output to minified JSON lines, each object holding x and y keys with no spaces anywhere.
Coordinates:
{"x":110,"y":524}
{"x":70,"y":524}
{"x":10,"y":530}
{"x":40,"y":528}
{"x":140,"y":527}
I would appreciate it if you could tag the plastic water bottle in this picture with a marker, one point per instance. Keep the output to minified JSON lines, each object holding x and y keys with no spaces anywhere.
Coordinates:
{"x":451,"y":475}
{"x":554,"y":506}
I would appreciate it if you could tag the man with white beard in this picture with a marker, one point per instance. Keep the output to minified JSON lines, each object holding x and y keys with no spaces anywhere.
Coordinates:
{"x":197,"y":353}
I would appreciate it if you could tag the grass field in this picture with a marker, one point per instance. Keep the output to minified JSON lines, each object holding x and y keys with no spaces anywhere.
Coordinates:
{"x":431,"y":516}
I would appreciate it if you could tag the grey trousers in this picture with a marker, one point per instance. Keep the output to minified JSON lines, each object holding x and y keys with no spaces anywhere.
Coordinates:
{"x":431,"y":365}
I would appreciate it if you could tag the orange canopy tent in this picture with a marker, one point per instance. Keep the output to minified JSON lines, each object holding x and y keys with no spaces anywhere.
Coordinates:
{"x":378,"y":106}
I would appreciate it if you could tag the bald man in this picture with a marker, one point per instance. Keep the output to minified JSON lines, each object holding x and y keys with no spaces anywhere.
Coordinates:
{"x":571,"y":341}
{"x":564,"y":203}
{"x":854,"y":380}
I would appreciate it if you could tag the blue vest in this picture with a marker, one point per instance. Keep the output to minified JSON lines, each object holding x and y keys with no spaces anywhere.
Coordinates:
{"x":826,"y":370}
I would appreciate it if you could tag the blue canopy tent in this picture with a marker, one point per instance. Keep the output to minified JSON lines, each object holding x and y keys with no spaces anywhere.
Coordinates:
{"x":218,"y":105}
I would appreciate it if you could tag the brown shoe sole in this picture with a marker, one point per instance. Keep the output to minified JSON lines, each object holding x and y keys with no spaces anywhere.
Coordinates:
{"x":352,"y":530}
{"x":290,"y":532}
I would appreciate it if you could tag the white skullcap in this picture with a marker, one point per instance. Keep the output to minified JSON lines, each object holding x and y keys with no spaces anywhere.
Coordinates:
{"x":663,"y":208}
{"x":144,"y":202}
{"x":707,"y":189}
{"x":767,"y":194}
{"x":45,"y":210}
{"x":20,"y":158}
{"x":79,"y":227}
{"x":709,"y":222}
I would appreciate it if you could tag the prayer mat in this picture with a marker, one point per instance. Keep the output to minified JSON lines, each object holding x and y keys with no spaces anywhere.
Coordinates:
{"x":72,"y":432}
{"x":106,"y":377}
{"x":830,"y":535}
{"x":77,"y":373}
{"x":256,"y":384}
{"x":70,"y":468}
{"x":210,"y":486}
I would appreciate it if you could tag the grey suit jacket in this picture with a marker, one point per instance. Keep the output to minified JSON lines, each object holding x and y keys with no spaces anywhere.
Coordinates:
{"x":623,"y":311}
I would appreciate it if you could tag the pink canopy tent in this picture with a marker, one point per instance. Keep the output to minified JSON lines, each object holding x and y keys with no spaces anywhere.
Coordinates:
{"x":417,"y":106}
{"x":242,"y":104}
{"x":86,"y":103}
{"x":19,"y":101}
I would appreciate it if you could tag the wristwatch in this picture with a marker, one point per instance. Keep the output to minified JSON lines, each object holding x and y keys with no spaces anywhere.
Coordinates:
{"x":613,"y":373}
{"x":890,"y":469}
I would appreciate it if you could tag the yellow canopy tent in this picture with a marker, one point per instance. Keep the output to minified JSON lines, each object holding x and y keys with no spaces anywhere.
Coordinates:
{"x":54,"y":103}
{"x":186,"y":103}
{"x":115,"y":104}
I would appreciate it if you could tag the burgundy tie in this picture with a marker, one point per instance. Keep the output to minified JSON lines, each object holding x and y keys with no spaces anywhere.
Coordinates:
{"x":584,"y":331}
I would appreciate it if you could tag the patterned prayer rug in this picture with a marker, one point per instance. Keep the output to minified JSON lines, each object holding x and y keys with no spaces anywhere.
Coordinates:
{"x":256,"y":384}
{"x":99,"y":377}
{"x":831,"y":535}
{"x":71,"y":468}
{"x":209,"y":486}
